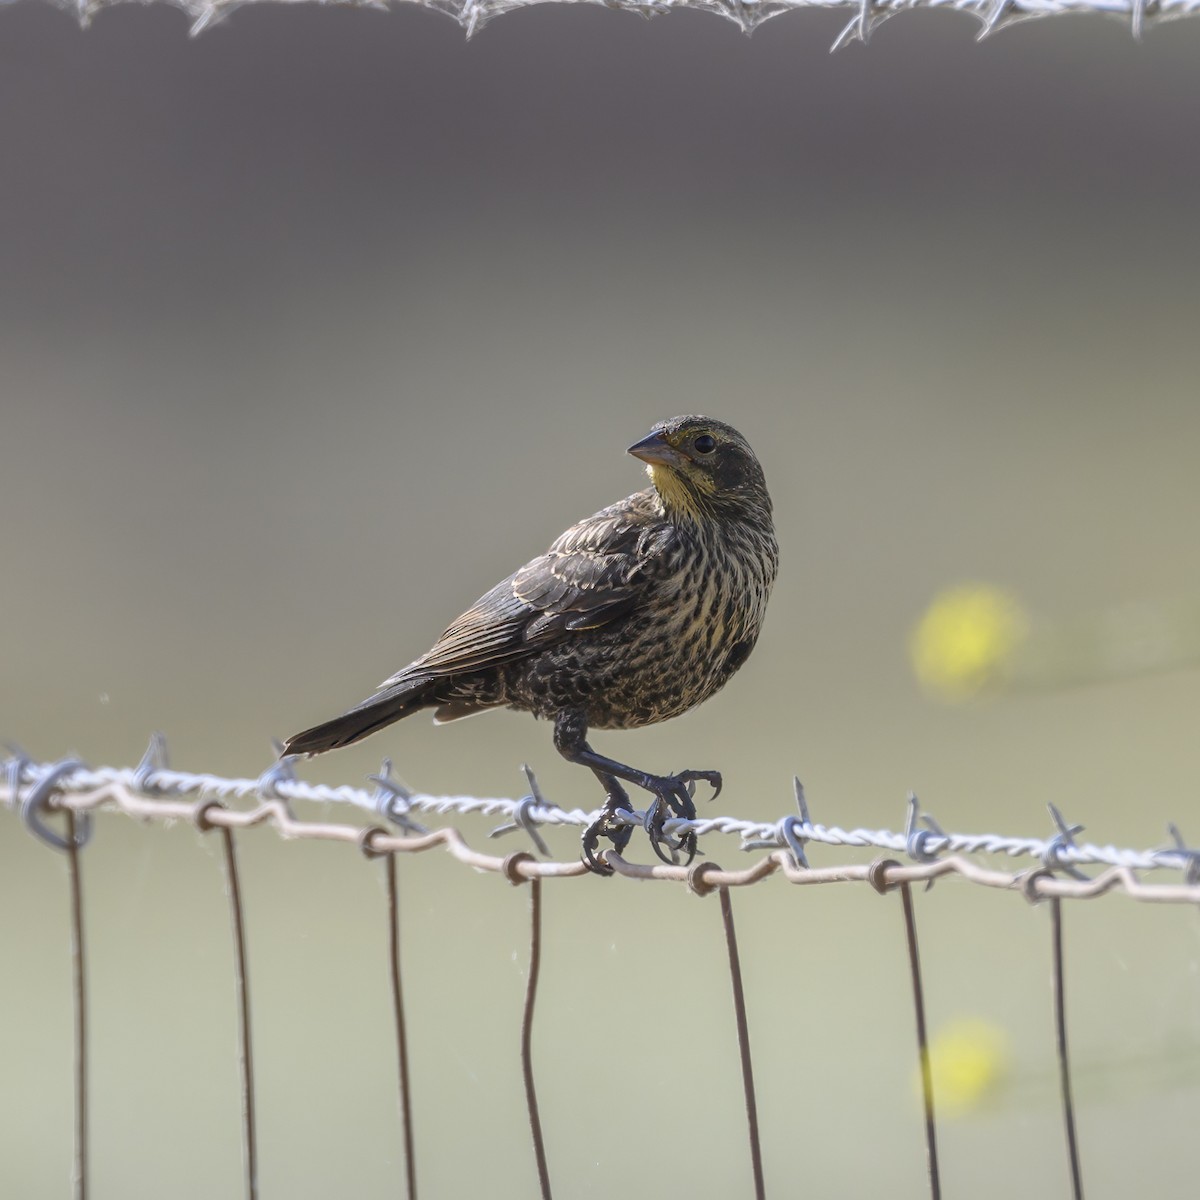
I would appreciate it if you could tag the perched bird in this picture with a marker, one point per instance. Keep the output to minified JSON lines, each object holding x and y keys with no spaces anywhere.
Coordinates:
{"x":634,"y":615}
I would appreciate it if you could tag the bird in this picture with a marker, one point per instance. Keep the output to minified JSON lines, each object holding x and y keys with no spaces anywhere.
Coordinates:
{"x":634,"y":615}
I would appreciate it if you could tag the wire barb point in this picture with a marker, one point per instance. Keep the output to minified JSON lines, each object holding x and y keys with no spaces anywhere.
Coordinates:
{"x":523,"y":818}
{"x":154,"y":760}
{"x":282,"y":770}
{"x":916,"y":841}
{"x":392,"y":800}
{"x":37,"y":801}
{"x":1191,"y":868}
{"x":1054,"y":856}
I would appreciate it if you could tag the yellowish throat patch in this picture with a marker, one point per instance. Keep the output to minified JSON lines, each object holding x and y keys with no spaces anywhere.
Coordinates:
{"x":675,"y":493}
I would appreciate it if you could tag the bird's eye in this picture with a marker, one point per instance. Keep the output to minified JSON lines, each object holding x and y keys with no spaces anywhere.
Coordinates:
{"x":705,"y":443}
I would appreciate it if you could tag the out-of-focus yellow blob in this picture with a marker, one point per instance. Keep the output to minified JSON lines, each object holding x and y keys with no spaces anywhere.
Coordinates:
{"x":968,"y":1059}
{"x":964,"y":638}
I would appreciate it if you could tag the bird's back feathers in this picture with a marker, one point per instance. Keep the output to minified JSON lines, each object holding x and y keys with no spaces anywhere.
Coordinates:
{"x":593,"y":574}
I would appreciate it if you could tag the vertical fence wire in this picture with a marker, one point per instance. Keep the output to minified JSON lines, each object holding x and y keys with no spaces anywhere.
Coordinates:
{"x":410,"y":1167}
{"x":914,"y":963}
{"x":1060,"y":1040}
{"x":249,"y":1133}
{"x":535,"y":956}
{"x":743,"y":1035}
{"x":79,"y":983}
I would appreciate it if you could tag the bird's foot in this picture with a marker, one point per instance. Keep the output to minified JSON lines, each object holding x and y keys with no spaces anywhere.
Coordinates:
{"x":604,"y":825}
{"x":673,"y":798}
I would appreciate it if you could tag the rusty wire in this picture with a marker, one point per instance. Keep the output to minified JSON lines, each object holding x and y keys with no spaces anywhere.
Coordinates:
{"x":1058,"y":991}
{"x":406,"y":1119}
{"x":743,"y":1036}
{"x":242,"y":983}
{"x":79,"y":989}
{"x":914,"y":964}
{"x":531,"y":984}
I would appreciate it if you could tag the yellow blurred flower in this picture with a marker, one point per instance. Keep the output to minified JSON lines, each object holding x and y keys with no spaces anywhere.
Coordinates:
{"x":964,"y":638}
{"x":968,"y":1059}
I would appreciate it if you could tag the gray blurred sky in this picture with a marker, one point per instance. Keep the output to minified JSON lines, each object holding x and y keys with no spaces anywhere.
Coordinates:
{"x":314,"y":327}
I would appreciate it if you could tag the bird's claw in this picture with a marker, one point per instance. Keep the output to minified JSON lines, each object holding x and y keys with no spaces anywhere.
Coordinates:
{"x":617,"y":832}
{"x":712,"y":778}
{"x":657,"y":815}
{"x":673,"y":799}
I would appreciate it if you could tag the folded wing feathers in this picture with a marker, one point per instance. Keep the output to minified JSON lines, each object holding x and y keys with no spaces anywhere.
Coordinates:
{"x":590,"y":576}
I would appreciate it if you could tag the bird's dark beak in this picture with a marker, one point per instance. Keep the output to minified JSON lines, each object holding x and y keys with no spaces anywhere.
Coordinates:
{"x":655,"y":449}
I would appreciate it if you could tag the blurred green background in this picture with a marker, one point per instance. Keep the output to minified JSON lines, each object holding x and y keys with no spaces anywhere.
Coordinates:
{"x":313,"y":328}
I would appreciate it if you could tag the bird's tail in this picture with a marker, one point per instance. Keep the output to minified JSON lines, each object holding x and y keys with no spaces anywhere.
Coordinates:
{"x":373,"y":713}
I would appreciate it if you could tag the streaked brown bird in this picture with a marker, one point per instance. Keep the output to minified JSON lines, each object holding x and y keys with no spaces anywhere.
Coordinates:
{"x":634,"y":615}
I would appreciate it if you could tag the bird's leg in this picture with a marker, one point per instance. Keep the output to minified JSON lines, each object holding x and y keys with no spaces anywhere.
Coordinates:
{"x":672,"y":793}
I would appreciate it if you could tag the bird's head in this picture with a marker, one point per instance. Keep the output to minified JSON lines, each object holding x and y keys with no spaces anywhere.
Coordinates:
{"x":702,"y":467}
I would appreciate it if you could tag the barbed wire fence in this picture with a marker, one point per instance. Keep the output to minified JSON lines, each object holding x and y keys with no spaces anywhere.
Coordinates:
{"x":866,"y":15}
{"x":41,"y":793}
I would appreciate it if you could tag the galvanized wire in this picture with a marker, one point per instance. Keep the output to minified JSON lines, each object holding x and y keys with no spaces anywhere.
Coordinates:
{"x":747,"y":15}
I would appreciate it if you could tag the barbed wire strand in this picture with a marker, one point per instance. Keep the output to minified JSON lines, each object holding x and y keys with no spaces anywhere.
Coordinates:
{"x":79,"y":990}
{"x":406,"y":1121}
{"x":867,"y":15}
{"x":83,"y":795}
{"x":146,"y":792}
{"x":1058,"y":991}
{"x":743,"y":1036}
{"x":531,"y":984}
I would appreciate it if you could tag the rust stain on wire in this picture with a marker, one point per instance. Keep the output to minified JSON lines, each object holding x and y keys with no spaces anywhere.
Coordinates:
{"x":1060,"y":1041}
{"x":743,"y":1035}
{"x":410,"y":1169}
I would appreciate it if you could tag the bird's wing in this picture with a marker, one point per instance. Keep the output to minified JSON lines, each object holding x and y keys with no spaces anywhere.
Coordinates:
{"x":594,"y":573}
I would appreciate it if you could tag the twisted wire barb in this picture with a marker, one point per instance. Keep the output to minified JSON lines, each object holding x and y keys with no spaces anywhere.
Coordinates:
{"x":153,"y":790}
{"x":867,"y":15}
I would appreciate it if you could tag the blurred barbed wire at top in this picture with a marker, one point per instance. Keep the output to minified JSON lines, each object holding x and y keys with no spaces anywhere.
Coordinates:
{"x":747,"y":15}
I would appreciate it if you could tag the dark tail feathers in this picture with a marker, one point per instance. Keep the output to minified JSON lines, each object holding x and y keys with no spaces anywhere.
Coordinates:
{"x":363,"y":719}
